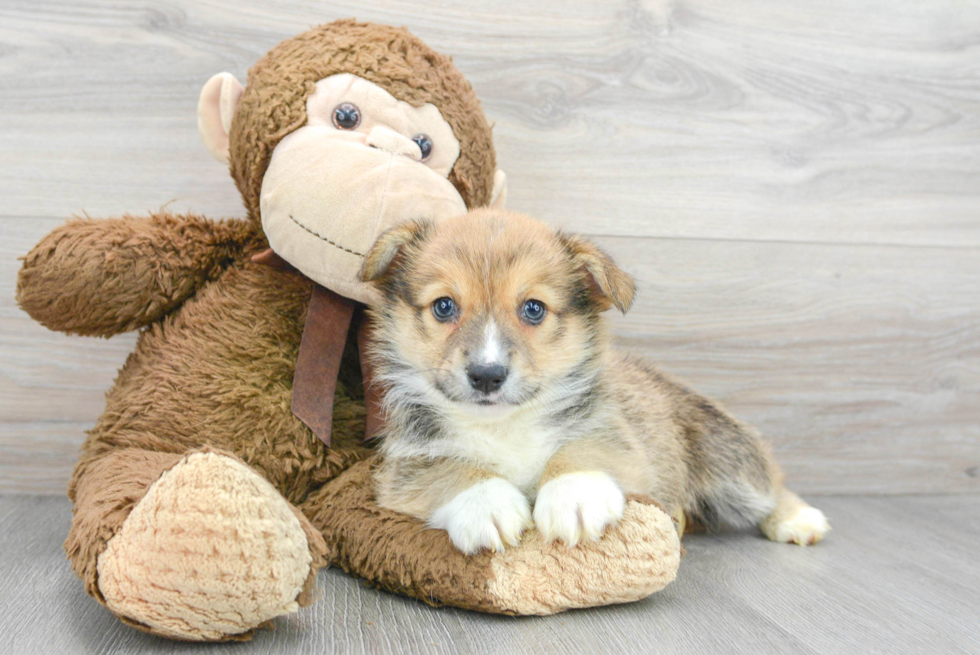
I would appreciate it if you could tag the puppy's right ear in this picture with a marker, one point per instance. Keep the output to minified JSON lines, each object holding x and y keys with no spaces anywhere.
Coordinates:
{"x":608,"y":283}
{"x":382,"y":254}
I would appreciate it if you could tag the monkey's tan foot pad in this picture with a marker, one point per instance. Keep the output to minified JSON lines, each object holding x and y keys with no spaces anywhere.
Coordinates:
{"x":634,"y":559}
{"x":212,"y":551}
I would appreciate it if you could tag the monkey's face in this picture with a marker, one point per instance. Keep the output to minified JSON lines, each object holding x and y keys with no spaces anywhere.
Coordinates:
{"x":363,"y":163}
{"x":343,"y":132}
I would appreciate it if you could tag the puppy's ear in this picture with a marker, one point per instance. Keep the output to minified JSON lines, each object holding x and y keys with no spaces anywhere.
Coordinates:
{"x":609,"y":284}
{"x":392,"y":242}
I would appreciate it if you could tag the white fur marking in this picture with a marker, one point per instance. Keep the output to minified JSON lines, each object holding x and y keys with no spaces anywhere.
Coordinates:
{"x":488,"y":515}
{"x":808,"y":526}
{"x":577,"y":505}
{"x":492,"y":353}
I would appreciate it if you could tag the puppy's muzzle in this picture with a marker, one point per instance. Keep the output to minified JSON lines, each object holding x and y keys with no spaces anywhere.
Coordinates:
{"x":486,"y":378}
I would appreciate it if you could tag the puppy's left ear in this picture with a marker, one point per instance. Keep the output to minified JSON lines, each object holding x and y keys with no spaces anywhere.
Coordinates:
{"x":610,"y":286}
{"x":382,"y":254}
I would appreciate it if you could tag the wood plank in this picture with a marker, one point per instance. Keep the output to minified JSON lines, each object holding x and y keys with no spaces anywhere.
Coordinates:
{"x":860,"y":363}
{"x":896,"y":575}
{"x":38,"y":458}
{"x":833,"y":122}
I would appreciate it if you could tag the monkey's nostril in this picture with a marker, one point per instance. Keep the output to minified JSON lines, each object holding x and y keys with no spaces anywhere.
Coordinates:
{"x":486,"y":378}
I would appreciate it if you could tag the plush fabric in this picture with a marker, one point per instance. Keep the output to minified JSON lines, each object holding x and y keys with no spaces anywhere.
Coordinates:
{"x":212,"y":515}
{"x":379,"y":108}
{"x":197,"y":433}
{"x":311,"y":170}
{"x":321,"y":180}
{"x":100,"y":278}
{"x":214,"y":373}
{"x":223,"y":91}
{"x":388,"y":56}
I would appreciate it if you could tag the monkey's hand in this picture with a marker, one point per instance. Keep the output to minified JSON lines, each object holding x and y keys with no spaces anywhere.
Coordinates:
{"x":103,"y":277}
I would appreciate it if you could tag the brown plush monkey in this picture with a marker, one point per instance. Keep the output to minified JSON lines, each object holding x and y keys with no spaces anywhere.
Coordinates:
{"x":203,"y":506}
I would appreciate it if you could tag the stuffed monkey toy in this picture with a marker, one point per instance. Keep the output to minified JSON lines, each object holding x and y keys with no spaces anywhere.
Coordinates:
{"x":230,"y":463}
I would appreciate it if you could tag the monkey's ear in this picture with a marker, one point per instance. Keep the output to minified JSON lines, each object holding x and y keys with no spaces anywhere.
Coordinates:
{"x":609,"y":284}
{"x":392,"y":242}
{"x":499,"y":195}
{"x":215,"y":109}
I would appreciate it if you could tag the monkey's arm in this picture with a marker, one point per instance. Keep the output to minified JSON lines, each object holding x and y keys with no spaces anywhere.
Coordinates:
{"x":103,"y":277}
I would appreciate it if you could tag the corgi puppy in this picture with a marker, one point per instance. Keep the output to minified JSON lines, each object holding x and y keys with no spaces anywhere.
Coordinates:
{"x":502,"y":393}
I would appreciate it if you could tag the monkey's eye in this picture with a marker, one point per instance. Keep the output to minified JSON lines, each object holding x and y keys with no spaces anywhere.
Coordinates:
{"x":534,"y":311}
{"x":346,"y":116}
{"x":424,"y":144}
{"x":444,"y":309}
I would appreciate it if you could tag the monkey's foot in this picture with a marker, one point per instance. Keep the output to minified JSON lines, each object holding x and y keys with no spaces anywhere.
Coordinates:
{"x":210,"y":553}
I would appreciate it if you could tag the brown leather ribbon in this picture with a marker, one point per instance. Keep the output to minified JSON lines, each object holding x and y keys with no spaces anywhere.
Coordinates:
{"x":328,"y":321}
{"x":372,"y":390}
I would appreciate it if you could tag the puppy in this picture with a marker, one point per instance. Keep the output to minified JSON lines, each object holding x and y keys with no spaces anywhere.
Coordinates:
{"x":502,"y":393}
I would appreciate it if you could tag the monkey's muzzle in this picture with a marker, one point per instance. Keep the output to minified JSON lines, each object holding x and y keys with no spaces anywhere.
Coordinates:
{"x":327,"y":195}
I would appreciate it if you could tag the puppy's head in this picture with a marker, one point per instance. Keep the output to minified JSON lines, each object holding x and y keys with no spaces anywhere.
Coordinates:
{"x":490,"y":309}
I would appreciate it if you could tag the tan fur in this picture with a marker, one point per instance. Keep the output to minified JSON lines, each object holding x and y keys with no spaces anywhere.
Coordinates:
{"x":612,"y":285}
{"x":575,"y":407}
{"x":419,"y":490}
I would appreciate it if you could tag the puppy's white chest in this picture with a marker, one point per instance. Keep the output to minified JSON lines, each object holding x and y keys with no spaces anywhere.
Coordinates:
{"x":517,"y":450}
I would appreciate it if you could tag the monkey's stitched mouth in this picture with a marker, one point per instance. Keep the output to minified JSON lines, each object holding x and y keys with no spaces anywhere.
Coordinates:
{"x":323,"y":238}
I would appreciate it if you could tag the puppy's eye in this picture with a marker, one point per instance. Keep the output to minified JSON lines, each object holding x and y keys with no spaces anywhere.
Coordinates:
{"x":424,"y":144}
{"x":444,"y":309}
{"x":346,"y":116}
{"x":533,"y":312}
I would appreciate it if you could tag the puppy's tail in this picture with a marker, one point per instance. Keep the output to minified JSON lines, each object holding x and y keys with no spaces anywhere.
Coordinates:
{"x":733,"y":504}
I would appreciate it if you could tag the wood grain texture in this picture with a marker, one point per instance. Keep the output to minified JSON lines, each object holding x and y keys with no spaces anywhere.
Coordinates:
{"x":897,"y":575}
{"x":793,"y":184}
{"x":840,"y":121}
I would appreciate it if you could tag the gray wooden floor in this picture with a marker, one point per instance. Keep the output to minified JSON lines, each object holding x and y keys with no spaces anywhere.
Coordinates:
{"x":898,"y":574}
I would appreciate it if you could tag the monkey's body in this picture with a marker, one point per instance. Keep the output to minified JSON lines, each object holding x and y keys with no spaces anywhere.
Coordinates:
{"x":187,"y":386}
{"x":227,"y":389}
{"x":203,"y":506}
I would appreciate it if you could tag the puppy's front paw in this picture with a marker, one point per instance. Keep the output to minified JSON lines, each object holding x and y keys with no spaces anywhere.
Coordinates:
{"x":487,"y":515}
{"x":806,"y":527}
{"x":577,"y":505}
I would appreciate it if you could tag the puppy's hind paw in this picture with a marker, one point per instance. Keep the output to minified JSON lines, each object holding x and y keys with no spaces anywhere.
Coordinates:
{"x":578,"y":505}
{"x":490,"y":514}
{"x":805,"y":527}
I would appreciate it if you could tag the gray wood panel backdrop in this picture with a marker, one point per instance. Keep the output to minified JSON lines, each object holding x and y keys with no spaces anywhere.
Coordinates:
{"x":796,"y":186}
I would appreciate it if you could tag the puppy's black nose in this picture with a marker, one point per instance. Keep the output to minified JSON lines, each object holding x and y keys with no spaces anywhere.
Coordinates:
{"x":486,"y":378}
